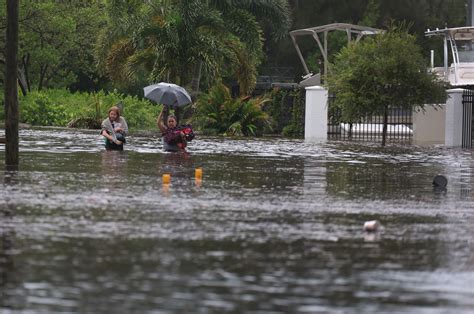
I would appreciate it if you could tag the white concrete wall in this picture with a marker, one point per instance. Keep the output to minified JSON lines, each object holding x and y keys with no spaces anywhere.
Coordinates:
{"x":453,"y":129}
{"x":429,"y":125}
{"x":316,"y":114}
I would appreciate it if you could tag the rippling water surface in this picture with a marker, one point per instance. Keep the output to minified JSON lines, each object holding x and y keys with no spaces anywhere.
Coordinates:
{"x":275,"y":226}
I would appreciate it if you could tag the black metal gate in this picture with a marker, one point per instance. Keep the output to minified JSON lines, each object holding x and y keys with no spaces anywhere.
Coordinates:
{"x":467,"y":101}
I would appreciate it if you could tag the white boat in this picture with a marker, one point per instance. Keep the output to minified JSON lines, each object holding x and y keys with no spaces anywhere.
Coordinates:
{"x":375,"y":128}
{"x":459,"y":43}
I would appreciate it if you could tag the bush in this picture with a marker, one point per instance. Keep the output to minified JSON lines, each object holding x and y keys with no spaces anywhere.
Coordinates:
{"x":286,"y":109}
{"x":59,"y":107}
{"x":218,"y":113}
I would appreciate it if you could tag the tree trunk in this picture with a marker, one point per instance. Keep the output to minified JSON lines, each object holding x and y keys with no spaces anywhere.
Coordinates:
{"x":22,"y":82}
{"x":43,"y":70}
{"x":23,"y":79}
{"x":11,"y":89}
{"x":26,"y":63}
{"x":385,"y":124}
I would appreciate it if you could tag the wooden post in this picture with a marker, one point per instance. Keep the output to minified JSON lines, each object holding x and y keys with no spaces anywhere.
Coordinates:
{"x":11,"y":88}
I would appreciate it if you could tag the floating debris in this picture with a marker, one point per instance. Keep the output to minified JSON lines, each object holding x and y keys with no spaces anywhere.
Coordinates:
{"x":166,"y":178}
{"x":440,"y":181}
{"x":371,"y":226}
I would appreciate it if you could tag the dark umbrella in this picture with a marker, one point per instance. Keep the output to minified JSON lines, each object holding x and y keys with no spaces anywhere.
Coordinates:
{"x":167,"y":94}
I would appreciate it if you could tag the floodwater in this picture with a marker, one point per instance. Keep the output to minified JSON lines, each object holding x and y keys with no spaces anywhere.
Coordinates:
{"x":274,"y":226}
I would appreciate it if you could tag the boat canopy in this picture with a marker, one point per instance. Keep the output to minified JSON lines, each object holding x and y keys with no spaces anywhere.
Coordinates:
{"x":460,"y":40}
{"x":350,"y":29}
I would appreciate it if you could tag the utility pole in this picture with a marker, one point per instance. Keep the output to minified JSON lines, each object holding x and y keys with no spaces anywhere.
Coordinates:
{"x":11,"y":89}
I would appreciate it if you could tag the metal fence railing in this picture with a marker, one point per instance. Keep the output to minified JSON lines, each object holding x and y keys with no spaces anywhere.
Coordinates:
{"x":467,"y":102}
{"x":370,"y":128}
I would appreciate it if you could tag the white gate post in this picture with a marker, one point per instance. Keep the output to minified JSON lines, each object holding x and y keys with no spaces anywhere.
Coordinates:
{"x":453,"y":128}
{"x":316,"y":113}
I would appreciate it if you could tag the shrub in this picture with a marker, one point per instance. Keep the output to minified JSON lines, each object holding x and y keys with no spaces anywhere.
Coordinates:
{"x":59,"y":107}
{"x":218,"y":113}
{"x":287,"y":111}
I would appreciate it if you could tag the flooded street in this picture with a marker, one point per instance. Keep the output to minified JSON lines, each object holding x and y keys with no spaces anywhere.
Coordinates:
{"x":275,"y":226}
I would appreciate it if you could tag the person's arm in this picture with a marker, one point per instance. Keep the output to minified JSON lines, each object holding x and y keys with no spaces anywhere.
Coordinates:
{"x":159,"y":121}
{"x":107,"y":135}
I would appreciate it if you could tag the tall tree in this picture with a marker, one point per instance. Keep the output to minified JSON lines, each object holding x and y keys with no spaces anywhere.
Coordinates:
{"x":11,"y":92}
{"x":57,"y":39}
{"x":383,"y":72}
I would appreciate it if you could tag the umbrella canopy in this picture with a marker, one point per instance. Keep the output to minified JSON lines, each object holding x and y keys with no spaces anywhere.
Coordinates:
{"x":167,"y":94}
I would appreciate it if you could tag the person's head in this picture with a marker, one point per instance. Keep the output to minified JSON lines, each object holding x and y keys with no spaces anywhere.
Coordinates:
{"x":171,"y":121}
{"x":114,"y":113}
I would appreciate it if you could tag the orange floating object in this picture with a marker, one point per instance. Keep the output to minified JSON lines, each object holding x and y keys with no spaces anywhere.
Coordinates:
{"x":198,"y":173}
{"x":166,"y":178}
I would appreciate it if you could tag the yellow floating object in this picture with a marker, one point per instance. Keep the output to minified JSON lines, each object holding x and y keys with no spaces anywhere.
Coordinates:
{"x":166,"y":178}
{"x":198,"y":173}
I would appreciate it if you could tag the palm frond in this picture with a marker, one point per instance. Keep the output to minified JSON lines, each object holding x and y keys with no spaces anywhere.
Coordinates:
{"x":117,"y":58}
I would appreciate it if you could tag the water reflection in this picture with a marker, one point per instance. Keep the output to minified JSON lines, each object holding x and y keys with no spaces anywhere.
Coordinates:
{"x":7,"y":269}
{"x":176,"y":164}
{"x":9,"y":276}
{"x":274,"y":225}
{"x":113,"y":163}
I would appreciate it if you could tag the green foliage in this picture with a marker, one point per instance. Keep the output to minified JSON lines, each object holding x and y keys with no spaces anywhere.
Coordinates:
{"x":286,"y":110}
{"x":218,"y":113}
{"x":372,"y":14}
{"x":296,"y":126}
{"x":42,"y":110}
{"x":277,"y":109}
{"x":56,"y":41}
{"x":188,"y":42}
{"x":381,"y":71}
{"x":59,"y":107}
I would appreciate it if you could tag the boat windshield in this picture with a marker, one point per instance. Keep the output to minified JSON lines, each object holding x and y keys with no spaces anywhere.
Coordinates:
{"x":465,"y":50}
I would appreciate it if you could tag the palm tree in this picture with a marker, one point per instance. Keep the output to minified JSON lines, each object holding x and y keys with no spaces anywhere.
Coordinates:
{"x":273,"y":16}
{"x":182,"y":40}
{"x":168,"y":42}
{"x":252,"y":21}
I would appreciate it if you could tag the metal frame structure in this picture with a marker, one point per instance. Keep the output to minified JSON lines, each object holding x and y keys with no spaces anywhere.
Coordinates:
{"x":315,"y":32}
{"x":460,"y":73}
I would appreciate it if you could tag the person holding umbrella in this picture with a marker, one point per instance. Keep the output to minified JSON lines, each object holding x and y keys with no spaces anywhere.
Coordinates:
{"x":170,"y":95}
{"x":174,"y":138}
